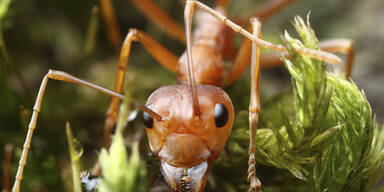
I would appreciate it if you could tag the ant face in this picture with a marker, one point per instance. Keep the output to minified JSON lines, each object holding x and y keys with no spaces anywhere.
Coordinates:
{"x":186,"y":144}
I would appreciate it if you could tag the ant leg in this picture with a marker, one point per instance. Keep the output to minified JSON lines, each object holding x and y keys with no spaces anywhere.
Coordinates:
{"x":243,"y":56}
{"x":109,"y":17}
{"x":344,"y":46}
{"x":240,"y":63}
{"x":8,"y":151}
{"x":223,"y":3}
{"x":190,"y":5}
{"x":57,"y":75}
{"x":266,"y":10}
{"x":254,"y":107}
{"x":161,"y":54}
{"x":157,"y":15}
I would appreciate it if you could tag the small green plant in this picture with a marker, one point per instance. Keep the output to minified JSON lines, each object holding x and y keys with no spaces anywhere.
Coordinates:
{"x":121,"y":173}
{"x":75,"y":152}
{"x":328,"y":141}
{"x":4,"y":5}
{"x":331,"y":142}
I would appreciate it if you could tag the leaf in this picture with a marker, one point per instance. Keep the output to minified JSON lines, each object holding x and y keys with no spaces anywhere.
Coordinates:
{"x":75,"y":152}
{"x":4,"y":5}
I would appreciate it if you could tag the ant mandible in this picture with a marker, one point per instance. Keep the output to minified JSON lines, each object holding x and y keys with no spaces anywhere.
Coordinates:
{"x":188,"y":124}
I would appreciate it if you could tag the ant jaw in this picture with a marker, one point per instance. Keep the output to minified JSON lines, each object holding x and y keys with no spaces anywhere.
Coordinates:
{"x":184,"y":150}
{"x":186,"y":179}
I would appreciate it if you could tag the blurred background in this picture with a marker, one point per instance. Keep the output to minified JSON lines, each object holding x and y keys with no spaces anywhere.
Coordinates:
{"x":44,"y":34}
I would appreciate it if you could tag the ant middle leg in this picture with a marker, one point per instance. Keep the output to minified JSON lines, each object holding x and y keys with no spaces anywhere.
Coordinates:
{"x":8,"y":154}
{"x":161,"y":18}
{"x":265,"y":11}
{"x":109,"y":17}
{"x":344,"y":46}
{"x":161,"y":54}
{"x":241,"y":62}
{"x":223,"y":3}
{"x":152,"y":11}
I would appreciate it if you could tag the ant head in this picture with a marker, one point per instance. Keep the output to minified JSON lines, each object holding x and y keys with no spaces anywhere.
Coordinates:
{"x":185,"y":143}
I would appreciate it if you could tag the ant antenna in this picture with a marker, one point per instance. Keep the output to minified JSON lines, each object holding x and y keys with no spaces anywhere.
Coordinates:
{"x":191,"y":77}
{"x":149,"y":111}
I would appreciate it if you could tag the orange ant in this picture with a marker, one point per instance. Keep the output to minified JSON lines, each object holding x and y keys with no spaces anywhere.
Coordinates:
{"x":188,"y":124}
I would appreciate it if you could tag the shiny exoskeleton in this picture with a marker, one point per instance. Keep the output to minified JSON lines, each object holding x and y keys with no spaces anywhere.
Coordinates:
{"x":188,"y":124}
{"x":185,"y":143}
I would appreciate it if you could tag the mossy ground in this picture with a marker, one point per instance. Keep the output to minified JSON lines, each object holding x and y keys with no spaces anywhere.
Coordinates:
{"x":40,"y":35}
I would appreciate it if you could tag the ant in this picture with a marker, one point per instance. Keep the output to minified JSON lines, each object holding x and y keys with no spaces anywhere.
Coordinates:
{"x":188,"y":124}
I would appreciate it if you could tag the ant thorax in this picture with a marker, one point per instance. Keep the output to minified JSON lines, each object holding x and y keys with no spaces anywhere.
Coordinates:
{"x":208,"y":65}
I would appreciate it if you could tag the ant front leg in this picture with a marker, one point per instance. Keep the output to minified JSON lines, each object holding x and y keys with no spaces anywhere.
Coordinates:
{"x":241,"y":62}
{"x":161,"y":54}
{"x":344,"y":46}
{"x":61,"y":76}
{"x":254,"y":107}
{"x":189,"y":9}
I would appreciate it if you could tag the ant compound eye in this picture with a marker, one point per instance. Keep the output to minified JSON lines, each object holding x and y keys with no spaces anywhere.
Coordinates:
{"x":148,"y":119}
{"x":221,"y":115}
